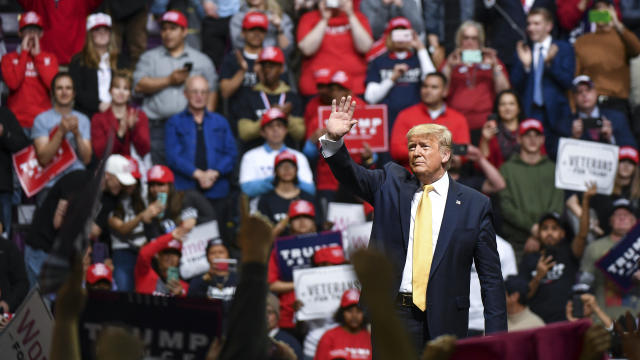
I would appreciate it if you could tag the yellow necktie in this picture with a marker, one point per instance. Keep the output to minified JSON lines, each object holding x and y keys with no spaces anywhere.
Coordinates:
{"x":422,"y":250}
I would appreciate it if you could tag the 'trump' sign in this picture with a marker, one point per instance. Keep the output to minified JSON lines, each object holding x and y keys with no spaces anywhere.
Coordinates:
{"x":372,"y":127}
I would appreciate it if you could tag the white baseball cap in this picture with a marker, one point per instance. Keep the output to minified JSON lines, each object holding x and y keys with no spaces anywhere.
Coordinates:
{"x":120,"y":167}
{"x":97,"y":20}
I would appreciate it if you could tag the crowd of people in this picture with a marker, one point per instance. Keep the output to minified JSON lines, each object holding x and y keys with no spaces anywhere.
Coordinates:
{"x":226,"y":105}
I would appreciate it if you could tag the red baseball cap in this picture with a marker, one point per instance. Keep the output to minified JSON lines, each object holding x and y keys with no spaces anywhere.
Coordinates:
{"x":531,"y":124}
{"x":175,"y":17}
{"x":333,"y":255}
{"x":398,"y":22}
{"x":174,"y":245}
{"x":135,"y":169}
{"x":160,"y":174}
{"x":301,"y":208}
{"x":30,"y":18}
{"x":628,"y":153}
{"x":271,"y":53}
{"x":255,"y":19}
{"x":285,"y":156}
{"x":272,"y":114}
{"x":323,"y":76}
{"x":341,"y":78}
{"x":97,"y":272}
{"x":350,"y":297}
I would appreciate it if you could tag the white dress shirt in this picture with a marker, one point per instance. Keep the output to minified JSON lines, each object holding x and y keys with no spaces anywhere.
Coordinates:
{"x":545,"y":45}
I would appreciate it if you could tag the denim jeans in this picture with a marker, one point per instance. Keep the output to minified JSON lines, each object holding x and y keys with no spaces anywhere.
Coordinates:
{"x":33,"y":260}
{"x":156,"y":134}
{"x":124,"y":263}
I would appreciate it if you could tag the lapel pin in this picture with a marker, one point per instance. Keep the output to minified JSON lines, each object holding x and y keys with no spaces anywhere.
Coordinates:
{"x":458,"y":202}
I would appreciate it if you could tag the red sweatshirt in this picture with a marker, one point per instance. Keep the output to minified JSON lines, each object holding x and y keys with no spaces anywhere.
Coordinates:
{"x":146,"y":277}
{"x":64,"y":24}
{"x":104,"y":123}
{"x":29,"y":81}
{"x":338,"y":342}
{"x":286,"y":299}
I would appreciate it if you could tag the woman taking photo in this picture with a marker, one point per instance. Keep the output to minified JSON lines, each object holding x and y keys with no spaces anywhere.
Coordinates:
{"x":500,"y":132}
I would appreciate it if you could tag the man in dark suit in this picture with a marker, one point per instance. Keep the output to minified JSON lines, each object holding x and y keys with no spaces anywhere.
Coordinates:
{"x":542,"y":73}
{"x":452,"y":225}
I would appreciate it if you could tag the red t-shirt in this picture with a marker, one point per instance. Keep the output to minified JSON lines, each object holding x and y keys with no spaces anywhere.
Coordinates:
{"x":338,"y":342}
{"x":471,"y":92}
{"x":418,"y":114}
{"x":336,"y":51}
{"x":286,"y":299}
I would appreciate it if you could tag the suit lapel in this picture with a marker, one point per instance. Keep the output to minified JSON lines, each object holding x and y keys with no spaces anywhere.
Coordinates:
{"x":407,"y":191}
{"x":449,"y":222}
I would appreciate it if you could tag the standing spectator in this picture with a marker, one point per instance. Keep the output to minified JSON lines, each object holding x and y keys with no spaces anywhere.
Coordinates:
{"x":431,"y":109}
{"x":269,"y":92}
{"x":499,"y":18}
{"x":129,"y":26}
{"x":130,"y":125}
{"x":604,"y":55}
{"x":322,"y":77}
{"x":350,"y":339}
{"x":596,"y":123}
{"x":273,"y":317}
{"x":473,"y":85}
{"x":12,"y":140}
{"x":237,"y":73}
{"x":530,"y":189}
{"x":28,"y":72}
{"x":608,"y":295}
{"x":443,"y":18}
{"x":201,"y":149}
{"x":93,"y":67}
{"x":160,"y":76}
{"x":279,"y":31}
{"x":14,"y":284}
{"x":167,"y":250}
{"x":215,"y":27}
{"x":381,"y":12}
{"x":328,"y":34}
{"x":63,"y":23}
{"x":394,"y":77}
{"x":519,"y":316}
{"x":99,"y":277}
{"x":220,"y":281}
{"x":256,"y":166}
{"x":542,"y":73}
{"x":499,"y":139}
{"x":64,"y":123}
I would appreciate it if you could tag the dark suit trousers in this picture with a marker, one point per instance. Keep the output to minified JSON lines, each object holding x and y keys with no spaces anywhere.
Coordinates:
{"x":414,"y":322}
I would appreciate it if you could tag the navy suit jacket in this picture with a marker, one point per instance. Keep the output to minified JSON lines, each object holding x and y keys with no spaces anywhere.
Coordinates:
{"x":466,"y":234}
{"x":556,"y":81}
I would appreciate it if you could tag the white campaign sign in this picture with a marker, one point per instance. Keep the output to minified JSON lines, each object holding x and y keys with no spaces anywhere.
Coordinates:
{"x":582,"y":161}
{"x":343,"y":214}
{"x":320,"y":289}
{"x":357,"y":238}
{"x":28,"y":334}
{"x":194,"y":260}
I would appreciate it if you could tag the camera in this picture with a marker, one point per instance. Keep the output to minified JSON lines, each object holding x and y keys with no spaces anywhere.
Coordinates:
{"x":592,"y":123}
{"x":333,"y":4}
{"x":459,"y":149}
{"x":401,"y":35}
{"x":582,"y":286}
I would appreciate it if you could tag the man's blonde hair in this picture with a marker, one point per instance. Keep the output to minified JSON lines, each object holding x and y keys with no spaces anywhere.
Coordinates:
{"x":440,"y":132}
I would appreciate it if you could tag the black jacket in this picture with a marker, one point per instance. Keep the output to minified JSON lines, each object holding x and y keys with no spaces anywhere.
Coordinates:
{"x":12,"y":140}
{"x":14,"y":284}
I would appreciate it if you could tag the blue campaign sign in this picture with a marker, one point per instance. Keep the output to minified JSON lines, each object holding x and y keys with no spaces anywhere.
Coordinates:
{"x":295,"y":252}
{"x":623,"y":260}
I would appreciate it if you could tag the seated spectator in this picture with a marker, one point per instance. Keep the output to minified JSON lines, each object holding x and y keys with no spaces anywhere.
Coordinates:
{"x":302,"y":220}
{"x":93,"y":67}
{"x":273,"y":317}
{"x":280,"y":29}
{"x":200,"y":148}
{"x":160,"y":76}
{"x":394,"y":78}
{"x":61,"y":122}
{"x":519,"y":316}
{"x":552,"y":271}
{"x":99,"y":277}
{"x":14,"y":284}
{"x":590,"y":310}
{"x":338,"y":85}
{"x":431,"y":109}
{"x":382,"y":12}
{"x":604,"y":56}
{"x":129,"y":125}
{"x":499,"y":139}
{"x":269,"y":92}
{"x":474,"y":83}
{"x":530,"y":189}
{"x":275,"y":204}
{"x":28,"y":72}
{"x":608,"y":295}
{"x":256,"y":166}
{"x":221,"y":280}
{"x":542,"y":74}
{"x":237,"y":72}
{"x":12,"y":140}
{"x":328,"y":35}
{"x":595,"y":123}
{"x":161,"y":280}
{"x":65,"y":28}
{"x":351,"y":338}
